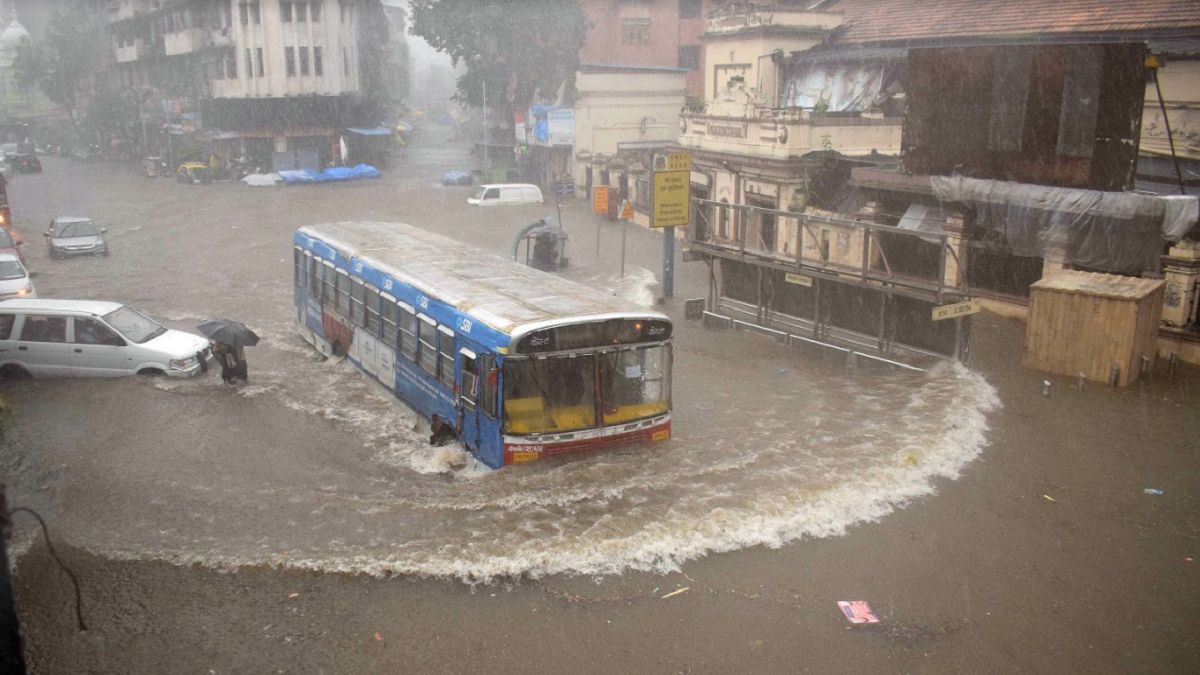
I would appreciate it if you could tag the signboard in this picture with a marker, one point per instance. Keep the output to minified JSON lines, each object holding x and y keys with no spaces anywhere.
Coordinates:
{"x":560,"y":125}
{"x":626,"y":211}
{"x":564,"y":188}
{"x":956,"y":310}
{"x":798,"y":279}
{"x":675,"y":161}
{"x":671,"y":192}
{"x":519,"y":127}
{"x":600,"y":200}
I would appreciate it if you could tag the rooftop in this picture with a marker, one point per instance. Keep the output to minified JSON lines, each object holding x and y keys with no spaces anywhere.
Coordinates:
{"x":887,"y":21}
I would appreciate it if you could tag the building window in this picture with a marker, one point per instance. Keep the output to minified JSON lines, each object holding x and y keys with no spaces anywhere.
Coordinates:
{"x":218,"y":70}
{"x":690,"y":9}
{"x":345,"y":62}
{"x":301,"y":11}
{"x":347,"y":11}
{"x":315,"y":12}
{"x":244,"y":11}
{"x":304,"y":61}
{"x":635,"y":32}
{"x":289,"y":56}
{"x":255,"y":13}
{"x":318,"y":66}
{"x":689,"y":57}
{"x":285,"y":11}
{"x":249,"y":64}
{"x":231,"y":64}
{"x":258,"y":55}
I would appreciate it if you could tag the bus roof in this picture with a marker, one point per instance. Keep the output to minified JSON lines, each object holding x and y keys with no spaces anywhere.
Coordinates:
{"x":504,"y":294}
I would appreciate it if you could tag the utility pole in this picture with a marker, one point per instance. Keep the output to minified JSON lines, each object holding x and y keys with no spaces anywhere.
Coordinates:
{"x":486,"y":170}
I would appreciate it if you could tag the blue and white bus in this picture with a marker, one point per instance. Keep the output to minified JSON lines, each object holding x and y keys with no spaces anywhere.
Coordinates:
{"x":514,"y":363}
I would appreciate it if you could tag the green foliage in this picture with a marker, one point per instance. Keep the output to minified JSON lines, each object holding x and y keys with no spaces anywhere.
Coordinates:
{"x":516,"y":47}
{"x":111,"y":112}
{"x":72,"y":48}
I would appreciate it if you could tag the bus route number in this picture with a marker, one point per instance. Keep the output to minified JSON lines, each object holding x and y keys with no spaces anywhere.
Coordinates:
{"x":465,"y":326}
{"x":423,"y":302}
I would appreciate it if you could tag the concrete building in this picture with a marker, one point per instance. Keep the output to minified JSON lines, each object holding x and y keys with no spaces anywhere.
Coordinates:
{"x":622,"y":116}
{"x":650,"y":33}
{"x":251,"y":77}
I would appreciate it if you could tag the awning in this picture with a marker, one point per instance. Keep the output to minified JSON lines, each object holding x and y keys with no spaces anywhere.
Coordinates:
{"x":373,"y":131}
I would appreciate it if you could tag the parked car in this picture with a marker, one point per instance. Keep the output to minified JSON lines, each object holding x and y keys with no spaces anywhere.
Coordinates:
{"x":193,"y":174}
{"x":8,"y":244}
{"x":23,"y":162}
{"x":75,"y":236}
{"x":86,"y":153}
{"x":7,"y":149}
{"x":505,"y":194}
{"x":458,"y":178}
{"x":87,"y":338}
{"x":14,"y":279}
{"x":155,"y":167}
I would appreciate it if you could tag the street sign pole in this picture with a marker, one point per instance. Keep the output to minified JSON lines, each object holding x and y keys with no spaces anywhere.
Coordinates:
{"x":624,"y":232}
{"x":668,"y":284}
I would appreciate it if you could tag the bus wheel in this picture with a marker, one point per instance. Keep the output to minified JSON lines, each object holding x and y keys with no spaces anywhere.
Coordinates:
{"x":336,"y":347}
{"x":443,"y":434}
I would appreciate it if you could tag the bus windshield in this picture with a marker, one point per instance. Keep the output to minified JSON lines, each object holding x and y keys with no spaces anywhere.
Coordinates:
{"x":558,"y":394}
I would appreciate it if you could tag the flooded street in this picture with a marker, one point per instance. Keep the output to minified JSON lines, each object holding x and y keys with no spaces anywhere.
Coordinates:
{"x":310,"y":465}
{"x":299,"y":524}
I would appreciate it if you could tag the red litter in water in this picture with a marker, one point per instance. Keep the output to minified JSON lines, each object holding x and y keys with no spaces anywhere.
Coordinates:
{"x":1188,"y":559}
{"x":378,"y":637}
{"x":857,"y":611}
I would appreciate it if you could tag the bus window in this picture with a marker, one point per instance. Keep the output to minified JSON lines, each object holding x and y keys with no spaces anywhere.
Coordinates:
{"x":427,"y":339}
{"x":408,"y":332}
{"x":297,"y":266}
{"x":552,"y":394}
{"x":372,"y":303}
{"x":343,"y":291}
{"x":469,"y":380}
{"x":390,"y":312}
{"x":490,"y":385}
{"x":635,"y":383}
{"x":314,"y":277}
{"x":330,"y":289}
{"x":304,"y":273}
{"x":446,"y":356}
{"x":356,"y":302}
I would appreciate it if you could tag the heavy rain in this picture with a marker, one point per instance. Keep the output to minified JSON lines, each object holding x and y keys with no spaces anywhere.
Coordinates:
{"x":356,"y":336}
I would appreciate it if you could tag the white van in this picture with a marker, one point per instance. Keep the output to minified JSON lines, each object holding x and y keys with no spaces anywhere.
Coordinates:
{"x":14,"y":279}
{"x":505,"y":194}
{"x":86,"y":338}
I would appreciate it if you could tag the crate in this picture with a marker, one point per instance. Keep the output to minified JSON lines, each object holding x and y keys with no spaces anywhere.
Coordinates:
{"x":1084,"y":322}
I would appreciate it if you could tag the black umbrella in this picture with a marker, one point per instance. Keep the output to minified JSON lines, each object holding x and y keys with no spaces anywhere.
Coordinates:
{"x":232,"y":333}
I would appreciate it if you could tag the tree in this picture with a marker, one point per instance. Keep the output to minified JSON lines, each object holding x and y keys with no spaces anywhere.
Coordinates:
{"x":516,"y":47}
{"x":71,"y":50}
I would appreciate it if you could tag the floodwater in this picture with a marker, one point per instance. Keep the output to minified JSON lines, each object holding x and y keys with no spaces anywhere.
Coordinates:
{"x":311,"y":466}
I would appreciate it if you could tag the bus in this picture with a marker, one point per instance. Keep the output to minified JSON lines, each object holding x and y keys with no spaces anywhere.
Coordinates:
{"x":513,"y":363}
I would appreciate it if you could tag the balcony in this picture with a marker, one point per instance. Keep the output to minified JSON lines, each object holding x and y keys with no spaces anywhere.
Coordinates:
{"x":185,"y":42}
{"x":131,"y":52}
{"x":749,"y":17}
{"x":786,"y":134}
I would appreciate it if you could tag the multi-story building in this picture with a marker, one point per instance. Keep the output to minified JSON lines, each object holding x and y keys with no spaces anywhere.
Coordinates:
{"x":252,"y":77}
{"x":652,"y":33}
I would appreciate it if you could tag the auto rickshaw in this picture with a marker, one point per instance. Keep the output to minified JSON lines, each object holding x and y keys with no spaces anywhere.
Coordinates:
{"x":193,"y":173}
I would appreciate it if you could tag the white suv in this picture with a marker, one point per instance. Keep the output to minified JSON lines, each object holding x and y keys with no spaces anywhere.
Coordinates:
{"x":85,"y":338}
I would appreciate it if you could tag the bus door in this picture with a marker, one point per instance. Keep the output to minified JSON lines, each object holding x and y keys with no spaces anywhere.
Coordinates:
{"x":468,"y":399}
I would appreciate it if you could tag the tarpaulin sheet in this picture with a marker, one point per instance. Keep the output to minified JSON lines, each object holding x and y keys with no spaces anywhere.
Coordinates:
{"x":373,"y":131}
{"x":1110,"y":231}
{"x":335,"y":173}
{"x":840,"y":88}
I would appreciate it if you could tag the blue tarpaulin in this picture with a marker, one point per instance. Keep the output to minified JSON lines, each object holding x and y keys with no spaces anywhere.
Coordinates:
{"x":334,"y":173}
{"x":373,"y":131}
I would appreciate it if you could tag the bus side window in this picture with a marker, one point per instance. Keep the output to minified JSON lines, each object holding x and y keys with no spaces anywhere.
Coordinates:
{"x":445,"y":365}
{"x":298,"y":266}
{"x":469,"y":380}
{"x":489,"y":386}
{"x":356,"y":302}
{"x":371,"y":301}
{"x":390,"y":311}
{"x":427,"y":340}
{"x":408,"y":332}
{"x":314,"y":277}
{"x":330,"y":290}
{"x":306,"y":272}
{"x":343,"y":291}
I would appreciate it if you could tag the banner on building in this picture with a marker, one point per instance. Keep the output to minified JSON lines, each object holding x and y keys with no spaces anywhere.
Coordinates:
{"x":561,"y":126}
